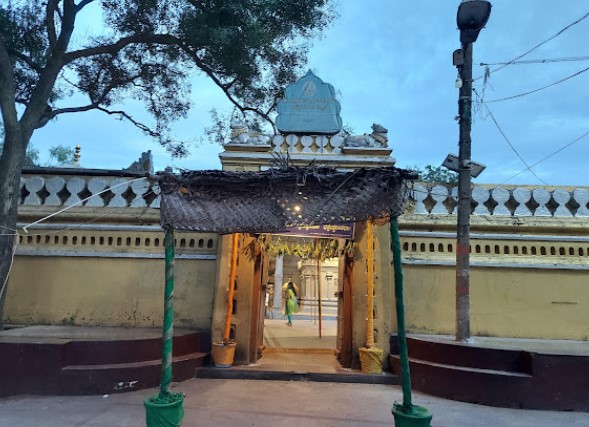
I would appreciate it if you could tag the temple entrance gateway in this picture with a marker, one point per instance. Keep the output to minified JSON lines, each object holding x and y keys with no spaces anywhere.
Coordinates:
{"x":309,"y":135}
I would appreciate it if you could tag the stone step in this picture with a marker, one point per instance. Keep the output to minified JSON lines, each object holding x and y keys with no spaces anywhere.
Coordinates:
{"x":274,"y":374}
{"x":119,"y":377}
{"x":467,"y":384}
{"x":466,"y":355}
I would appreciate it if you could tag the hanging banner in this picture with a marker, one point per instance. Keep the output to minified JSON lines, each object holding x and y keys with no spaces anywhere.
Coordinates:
{"x":337,"y":231}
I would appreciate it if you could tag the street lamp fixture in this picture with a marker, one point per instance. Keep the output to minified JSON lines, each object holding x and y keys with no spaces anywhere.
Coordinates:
{"x":471,"y":18}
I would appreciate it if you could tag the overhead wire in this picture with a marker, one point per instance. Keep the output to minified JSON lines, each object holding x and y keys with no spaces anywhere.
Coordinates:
{"x":539,"y":89}
{"x":539,"y":44}
{"x":539,"y":61}
{"x":528,"y":167}
{"x":549,"y":156}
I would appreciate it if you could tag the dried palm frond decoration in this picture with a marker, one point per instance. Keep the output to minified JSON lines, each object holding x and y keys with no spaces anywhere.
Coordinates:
{"x":305,"y":248}
{"x":276,"y":199}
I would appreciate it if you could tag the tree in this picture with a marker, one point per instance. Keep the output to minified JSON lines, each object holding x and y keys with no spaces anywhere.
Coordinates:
{"x":148,"y":49}
{"x":61,"y":155}
{"x":436,"y":174}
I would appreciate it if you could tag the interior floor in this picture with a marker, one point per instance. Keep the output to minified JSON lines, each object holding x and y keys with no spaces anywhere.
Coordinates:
{"x":303,"y":334}
{"x":298,"y":347}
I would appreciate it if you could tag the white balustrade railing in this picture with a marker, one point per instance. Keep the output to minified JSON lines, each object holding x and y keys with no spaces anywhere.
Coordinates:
{"x":42,"y":190}
{"x":308,"y":144}
{"x":499,"y":201}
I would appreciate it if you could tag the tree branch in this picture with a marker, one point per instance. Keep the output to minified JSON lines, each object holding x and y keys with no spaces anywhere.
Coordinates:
{"x":88,"y":107}
{"x":225,"y":86}
{"x":83,"y":4}
{"x":139,"y":125}
{"x":111,"y":49}
{"x":95,"y":104}
{"x":50,"y":21}
{"x":26,"y":59}
{"x":36,"y":111}
{"x":7,"y":90}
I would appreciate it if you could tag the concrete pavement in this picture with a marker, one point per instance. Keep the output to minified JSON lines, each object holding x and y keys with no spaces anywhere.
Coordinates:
{"x":269,"y":403}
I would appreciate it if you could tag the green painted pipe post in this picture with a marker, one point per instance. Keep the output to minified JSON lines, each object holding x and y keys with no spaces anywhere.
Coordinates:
{"x":168,"y":328}
{"x":403,"y":352}
{"x":406,"y":414}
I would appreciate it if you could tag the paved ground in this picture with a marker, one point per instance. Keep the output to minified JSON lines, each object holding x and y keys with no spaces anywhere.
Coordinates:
{"x":269,"y":403}
{"x":213,"y":402}
{"x":303,"y":334}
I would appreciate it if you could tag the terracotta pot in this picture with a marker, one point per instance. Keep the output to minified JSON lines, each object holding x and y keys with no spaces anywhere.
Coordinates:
{"x":371,"y":360}
{"x":223,"y":354}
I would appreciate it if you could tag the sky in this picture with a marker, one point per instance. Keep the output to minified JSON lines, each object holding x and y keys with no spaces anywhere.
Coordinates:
{"x":390,"y":62}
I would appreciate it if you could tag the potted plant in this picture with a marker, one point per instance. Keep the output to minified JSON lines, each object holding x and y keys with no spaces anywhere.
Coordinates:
{"x":223,"y":351}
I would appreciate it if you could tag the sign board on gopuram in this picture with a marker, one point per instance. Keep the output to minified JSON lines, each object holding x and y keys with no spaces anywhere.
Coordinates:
{"x":310,"y":107}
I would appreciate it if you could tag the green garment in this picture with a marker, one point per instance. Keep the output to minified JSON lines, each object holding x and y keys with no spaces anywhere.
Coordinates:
{"x":291,"y":302}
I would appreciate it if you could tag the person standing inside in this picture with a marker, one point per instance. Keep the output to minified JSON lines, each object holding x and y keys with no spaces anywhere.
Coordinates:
{"x":291,"y":304}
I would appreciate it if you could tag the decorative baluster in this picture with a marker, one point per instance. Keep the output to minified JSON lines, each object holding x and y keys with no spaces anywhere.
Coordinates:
{"x":501,"y":196}
{"x":581,"y":196}
{"x":522,"y":196}
{"x":95,"y":186}
{"x":278,"y":142}
{"x":562,"y":197}
{"x":118,"y":201}
{"x":439,"y":194}
{"x":454,"y":195}
{"x":542,"y":197}
{"x":336,"y":142}
{"x":139,"y":188}
{"x":156,"y":202}
{"x":307,"y":143}
{"x":292,"y":142}
{"x":75,"y":186}
{"x":481,"y":196}
{"x":420,"y":194}
{"x":34,"y":184}
{"x":53,"y":186}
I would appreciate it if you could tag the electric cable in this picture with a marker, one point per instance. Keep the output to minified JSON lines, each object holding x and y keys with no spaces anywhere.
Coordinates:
{"x":539,"y":61}
{"x":528,"y":168}
{"x":540,"y":44}
{"x":549,"y":156}
{"x":539,"y":89}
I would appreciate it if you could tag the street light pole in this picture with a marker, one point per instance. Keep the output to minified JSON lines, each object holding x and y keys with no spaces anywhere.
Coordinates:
{"x":464,"y":203}
{"x":471,"y":18}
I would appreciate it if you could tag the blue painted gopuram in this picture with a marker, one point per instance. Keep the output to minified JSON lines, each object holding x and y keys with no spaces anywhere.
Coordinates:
{"x":309,"y":106}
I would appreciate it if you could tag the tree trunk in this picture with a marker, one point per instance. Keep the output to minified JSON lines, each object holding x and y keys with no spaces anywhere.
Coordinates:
{"x":11,"y":163}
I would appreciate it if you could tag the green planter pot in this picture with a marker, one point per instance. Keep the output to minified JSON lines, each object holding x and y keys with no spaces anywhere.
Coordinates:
{"x":164,"y":412}
{"x":418,"y":416}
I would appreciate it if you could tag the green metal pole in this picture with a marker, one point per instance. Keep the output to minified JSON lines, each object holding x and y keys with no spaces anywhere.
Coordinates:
{"x":168,"y":329}
{"x":403,"y":352}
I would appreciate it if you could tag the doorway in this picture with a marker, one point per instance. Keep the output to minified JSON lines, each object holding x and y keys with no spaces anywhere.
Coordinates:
{"x":314,"y":340}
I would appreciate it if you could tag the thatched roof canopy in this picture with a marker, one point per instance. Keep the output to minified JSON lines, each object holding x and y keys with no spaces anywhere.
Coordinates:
{"x":272,"y":200}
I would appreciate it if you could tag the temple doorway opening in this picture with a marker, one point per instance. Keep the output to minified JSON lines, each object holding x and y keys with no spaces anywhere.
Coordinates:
{"x":313,"y":334}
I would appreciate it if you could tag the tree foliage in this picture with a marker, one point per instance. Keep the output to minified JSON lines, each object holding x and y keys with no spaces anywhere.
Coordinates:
{"x":145,"y":50}
{"x":436,"y":174}
{"x":61,"y":155}
{"x":250,"y":48}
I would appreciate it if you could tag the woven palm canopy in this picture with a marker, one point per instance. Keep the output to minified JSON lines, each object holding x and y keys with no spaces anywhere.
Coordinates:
{"x":273,"y":200}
